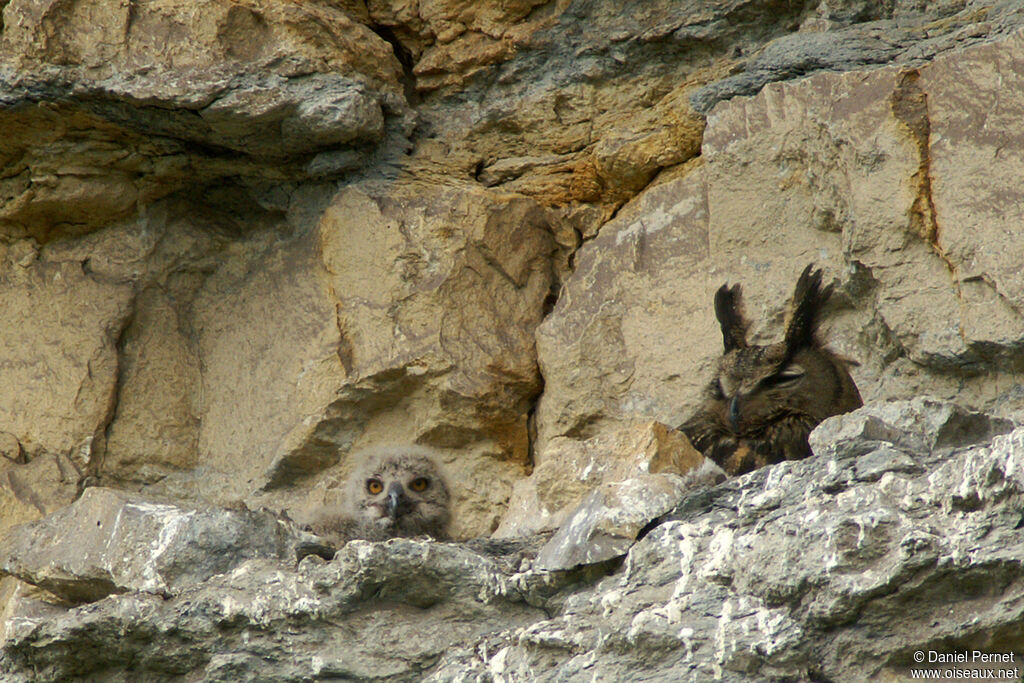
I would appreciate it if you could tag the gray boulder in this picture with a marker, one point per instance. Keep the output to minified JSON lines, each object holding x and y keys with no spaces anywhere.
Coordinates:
{"x":111,"y":541}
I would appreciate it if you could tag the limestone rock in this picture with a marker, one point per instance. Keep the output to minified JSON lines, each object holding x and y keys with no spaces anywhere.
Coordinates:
{"x":628,"y":157}
{"x":434,"y":594}
{"x":225,"y":358}
{"x":111,"y":108}
{"x":59,"y":346}
{"x":893,"y":33}
{"x":426,"y":328}
{"x":628,"y":335}
{"x":742,"y":586}
{"x":113,"y":542}
{"x":106,"y":37}
{"x":611,"y":517}
{"x":237,"y":242}
{"x":770,"y":576}
{"x":848,"y":171}
{"x":30,"y":490}
{"x":572,"y":469}
{"x":921,"y":425}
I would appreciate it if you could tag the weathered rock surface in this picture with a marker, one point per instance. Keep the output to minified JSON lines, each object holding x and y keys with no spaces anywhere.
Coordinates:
{"x":188,"y":258}
{"x":241,"y":238}
{"x":612,"y":516}
{"x":32,"y":489}
{"x":110,"y":541}
{"x":772,"y":576}
{"x":897,"y":32}
{"x":390,"y":323}
{"x":572,"y":469}
{"x":777,"y":575}
{"x":377,"y":611}
{"x":857,"y":172}
{"x":211,"y":359}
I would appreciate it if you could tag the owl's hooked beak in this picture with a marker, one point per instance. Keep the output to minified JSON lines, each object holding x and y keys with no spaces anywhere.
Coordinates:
{"x":734,"y":413}
{"x":395,"y":500}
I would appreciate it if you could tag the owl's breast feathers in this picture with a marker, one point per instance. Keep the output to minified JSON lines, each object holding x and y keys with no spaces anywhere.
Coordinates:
{"x":782,"y":439}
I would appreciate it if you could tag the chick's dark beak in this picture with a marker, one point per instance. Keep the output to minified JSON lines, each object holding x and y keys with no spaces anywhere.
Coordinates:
{"x":395,"y":499}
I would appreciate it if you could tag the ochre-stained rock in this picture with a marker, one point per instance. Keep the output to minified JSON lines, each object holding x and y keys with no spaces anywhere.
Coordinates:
{"x":105,"y":36}
{"x":628,"y":157}
{"x":109,"y":107}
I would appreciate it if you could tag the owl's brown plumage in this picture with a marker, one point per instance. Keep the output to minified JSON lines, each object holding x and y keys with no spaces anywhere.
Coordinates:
{"x":392,"y":491}
{"x":765,"y":400}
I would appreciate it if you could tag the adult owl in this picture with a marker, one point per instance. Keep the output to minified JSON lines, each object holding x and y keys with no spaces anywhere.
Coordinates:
{"x":765,"y":400}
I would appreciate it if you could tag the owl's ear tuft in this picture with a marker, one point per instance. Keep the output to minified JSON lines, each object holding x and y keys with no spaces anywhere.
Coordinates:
{"x":729,"y":311}
{"x":809,"y":297}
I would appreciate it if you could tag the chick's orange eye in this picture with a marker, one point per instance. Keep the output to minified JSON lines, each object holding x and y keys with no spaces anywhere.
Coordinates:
{"x":374,"y":486}
{"x":419,"y":484}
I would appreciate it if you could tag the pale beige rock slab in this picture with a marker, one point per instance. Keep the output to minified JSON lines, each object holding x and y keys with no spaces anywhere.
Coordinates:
{"x":247,"y":364}
{"x":437,"y":296}
{"x":629,"y":323}
{"x":405,"y":316}
{"x":865,"y":156}
{"x":156,"y":425}
{"x":446,"y":287}
{"x":58,"y":353}
{"x":571,"y":469}
{"x":37,"y":488}
{"x":267,"y":345}
{"x":976,"y":157}
{"x":608,"y":520}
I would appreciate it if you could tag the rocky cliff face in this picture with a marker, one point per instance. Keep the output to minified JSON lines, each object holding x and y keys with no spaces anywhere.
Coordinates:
{"x":241,"y":239}
{"x":902,"y":534}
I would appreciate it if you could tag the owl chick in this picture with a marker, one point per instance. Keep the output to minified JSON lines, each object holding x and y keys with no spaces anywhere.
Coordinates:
{"x":392,"y":491}
{"x":765,"y":400}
